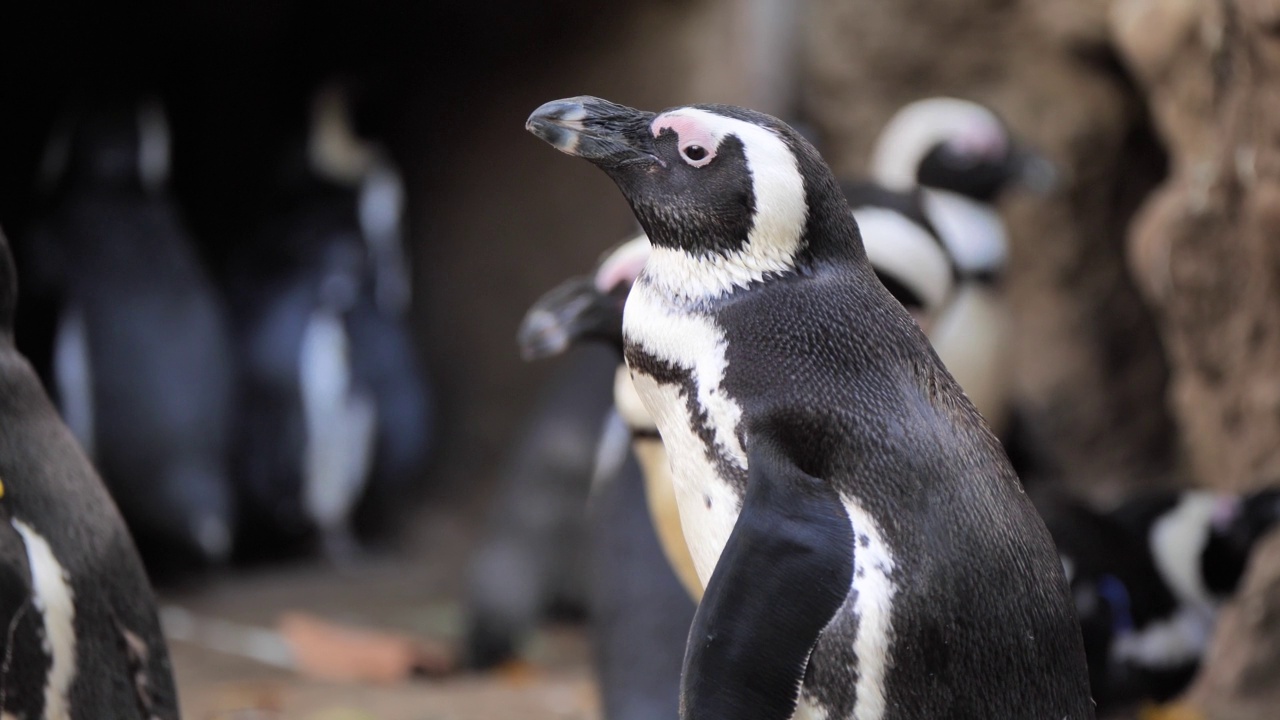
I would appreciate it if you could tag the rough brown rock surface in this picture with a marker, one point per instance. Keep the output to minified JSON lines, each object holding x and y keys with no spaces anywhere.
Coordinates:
{"x":1204,"y":248}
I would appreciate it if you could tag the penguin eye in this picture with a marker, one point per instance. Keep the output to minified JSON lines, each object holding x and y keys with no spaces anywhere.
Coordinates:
{"x":696,"y":155}
{"x":696,"y":142}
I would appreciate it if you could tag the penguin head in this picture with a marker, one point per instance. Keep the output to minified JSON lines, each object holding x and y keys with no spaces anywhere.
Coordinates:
{"x":117,"y":143}
{"x":958,"y":146}
{"x":727,"y":196}
{"x":335,"y":151}
{"x":585,"y":307}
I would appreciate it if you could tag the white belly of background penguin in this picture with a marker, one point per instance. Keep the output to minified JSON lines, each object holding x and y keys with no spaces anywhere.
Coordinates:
{"x":866,"y":548}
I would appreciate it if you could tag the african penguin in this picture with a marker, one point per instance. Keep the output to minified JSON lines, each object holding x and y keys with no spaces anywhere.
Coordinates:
{"x":83,"y":638}
{"x":336,"y":413}
{"x":531,"y":561}
{"x":589,"y":309}
{"x":1149,"y":577}
{"x":931,"y":230}
{"x":866,"y":549}
{"x":640,"y":612}
{"x":143,"y":364}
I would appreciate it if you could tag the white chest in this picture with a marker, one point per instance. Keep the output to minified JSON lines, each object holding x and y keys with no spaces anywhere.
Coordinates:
{"x":707,"y":501}
{"x":701,"y":455}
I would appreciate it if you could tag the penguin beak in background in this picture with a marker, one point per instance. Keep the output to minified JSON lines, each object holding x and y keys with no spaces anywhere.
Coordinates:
{"x":607,"y":134}
{"x":572,"y":311}
{"x":1033,"y":171}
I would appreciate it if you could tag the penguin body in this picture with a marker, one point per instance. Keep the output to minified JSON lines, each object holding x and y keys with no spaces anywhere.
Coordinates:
{"x":307,"y":441}
{"x":143,"y":362}
{"x":83,"y":634}
{"x":531,"y":560}
{"x":337,"y":415}
{"x":640,"y":611}
{"x":817,"y":442}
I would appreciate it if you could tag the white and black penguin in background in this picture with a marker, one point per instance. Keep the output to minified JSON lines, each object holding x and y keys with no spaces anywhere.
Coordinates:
{"x":589,"y":309}
{"x":867,"y":550}
{"x":1149,"y":577}
{"x":930,"y":227}
{"x":142,"y":362}
{"x":539,"y":556}
{"x":82,"y":637}
{"x":640,"y":611}
{"x":335,"y":412}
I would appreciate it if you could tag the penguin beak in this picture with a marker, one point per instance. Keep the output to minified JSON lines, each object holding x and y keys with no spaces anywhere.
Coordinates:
{"x":574,"y":310}
{"x":608,"y":134}
{"x":1033,"y":171}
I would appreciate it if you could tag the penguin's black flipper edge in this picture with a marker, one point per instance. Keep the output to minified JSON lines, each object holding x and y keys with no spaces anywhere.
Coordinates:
{"x":754,"y":630}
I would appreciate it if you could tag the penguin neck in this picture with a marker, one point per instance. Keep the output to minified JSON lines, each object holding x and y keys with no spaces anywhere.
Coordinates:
{"x":698,"y":282}
{"x":685,"y":279}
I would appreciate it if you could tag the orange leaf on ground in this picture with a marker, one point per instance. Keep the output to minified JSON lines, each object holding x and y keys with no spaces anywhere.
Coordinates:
{"x":329,"y":651}
{"x":516,"y":672}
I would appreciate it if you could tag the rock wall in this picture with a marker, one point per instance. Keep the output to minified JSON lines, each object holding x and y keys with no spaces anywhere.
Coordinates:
{"x":1204,"y":247}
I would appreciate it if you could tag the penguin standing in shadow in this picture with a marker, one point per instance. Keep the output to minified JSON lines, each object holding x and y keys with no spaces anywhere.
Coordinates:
{"x":531,"y":561}
{"x":589,"y":309}
{"x":1149,"y":578}
{"x":866,"y":548}
{"x":640,"y":609}
{"x":83,"y":639}
{"x":143,"y":366}
{"x":336,"y":414}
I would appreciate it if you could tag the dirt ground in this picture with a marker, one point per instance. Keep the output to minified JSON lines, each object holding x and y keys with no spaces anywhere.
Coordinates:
{"x":412,"y":595}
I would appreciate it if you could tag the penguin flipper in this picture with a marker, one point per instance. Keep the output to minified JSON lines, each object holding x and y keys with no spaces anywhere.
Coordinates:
{"x":754,"y":630}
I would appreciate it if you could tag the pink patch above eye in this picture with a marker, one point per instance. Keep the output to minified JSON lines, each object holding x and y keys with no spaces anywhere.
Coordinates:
{"x":984,"y":141}
{"x":689,"y":131}
{"x":1225,"y":512}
